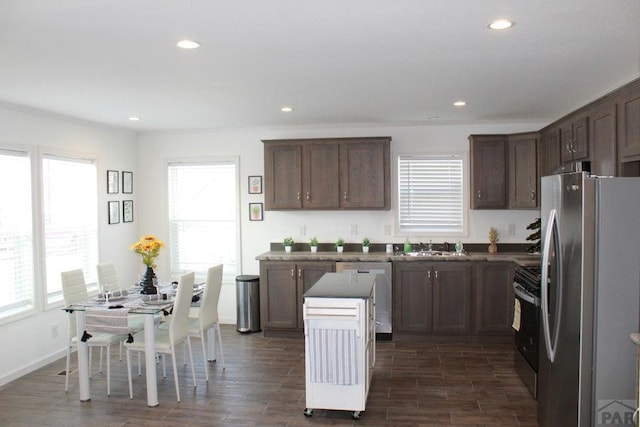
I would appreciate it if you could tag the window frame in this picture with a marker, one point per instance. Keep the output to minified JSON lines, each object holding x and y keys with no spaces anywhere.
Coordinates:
{"x":206,"y":160}
{"x":464,"y":157}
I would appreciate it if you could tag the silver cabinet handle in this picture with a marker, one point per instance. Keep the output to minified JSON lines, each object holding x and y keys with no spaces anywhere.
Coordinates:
{"x":345,"y":196}
{"x":436,"y":274}
{"x":479,"y":195}
{"x":299,"y":198}
{"x":533,"y":195}
{"x":300,"y":274}
{"x":308,"y":196}
{"x":293,"y":273}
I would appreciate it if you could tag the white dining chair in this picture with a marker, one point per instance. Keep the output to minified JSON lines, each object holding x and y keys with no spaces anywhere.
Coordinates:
{"x":74,"y":290}
{"x":205,"y":317}
{"x":107,"y":277}
{"x":167,"y":339}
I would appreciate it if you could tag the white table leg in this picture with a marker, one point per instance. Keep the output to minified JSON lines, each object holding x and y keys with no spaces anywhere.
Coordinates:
{"x":211,"y":345}
{"x":150,"y":360}
{"x":83,"y":358}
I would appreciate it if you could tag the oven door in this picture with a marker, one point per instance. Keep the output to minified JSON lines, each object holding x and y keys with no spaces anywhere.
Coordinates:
{"x":527,"y":339}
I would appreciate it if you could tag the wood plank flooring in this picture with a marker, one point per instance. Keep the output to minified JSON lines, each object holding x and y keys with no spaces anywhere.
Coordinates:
{"x":414,"y":384}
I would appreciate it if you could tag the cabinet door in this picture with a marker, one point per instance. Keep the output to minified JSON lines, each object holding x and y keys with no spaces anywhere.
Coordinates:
{"x":452,"y":297}
{"x":412,"y":297}
{"x":494,"y":298}
{"x":523,"y":171}
{"x":630,"y":123}
{"x":283,"y":176}
{"x":308,"y":273}
{"x":365,"y":174}
{"x":603,"y":139}
{"x":278,"y":295}
{"x":574,"y":138}
{"x":488,"y":171}
{"x":320,"y":179}
{"x":549,"y":152}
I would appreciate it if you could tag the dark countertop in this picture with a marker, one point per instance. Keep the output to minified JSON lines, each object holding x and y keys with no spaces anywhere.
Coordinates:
{"x":342,"y":285}
{"x":522,"y":258}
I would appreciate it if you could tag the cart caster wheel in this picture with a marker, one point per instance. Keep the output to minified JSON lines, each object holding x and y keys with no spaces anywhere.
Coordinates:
{"x":308,"y":412}
{"x":355,"y":415}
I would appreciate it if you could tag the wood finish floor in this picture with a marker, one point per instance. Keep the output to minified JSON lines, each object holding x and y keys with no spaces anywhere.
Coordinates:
{"x":414,"y":384}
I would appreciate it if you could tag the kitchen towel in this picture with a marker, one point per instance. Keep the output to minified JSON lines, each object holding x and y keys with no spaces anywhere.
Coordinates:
{"x":103,"y":319}
{"x":332,"y":356}
{"x":516,"y":315}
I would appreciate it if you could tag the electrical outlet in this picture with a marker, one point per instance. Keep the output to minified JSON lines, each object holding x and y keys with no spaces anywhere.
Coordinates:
{"x":511,"y":230}
{"x":54,"y":331}
{"x":302,"y":230}
{"x":354,"y":229}
{"x":387,"y":229}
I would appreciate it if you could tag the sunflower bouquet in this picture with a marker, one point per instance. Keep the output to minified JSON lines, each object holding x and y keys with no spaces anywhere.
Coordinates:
{"x":149,"y":247}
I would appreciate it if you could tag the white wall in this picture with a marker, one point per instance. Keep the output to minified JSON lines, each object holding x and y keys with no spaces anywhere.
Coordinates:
{"x":29,"y":341}
{"x":155,"y":148}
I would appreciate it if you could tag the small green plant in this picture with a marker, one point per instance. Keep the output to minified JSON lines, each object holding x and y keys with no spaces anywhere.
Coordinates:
{"x":288,"y":241}
{"x":313,"y":241}
{"x":339,"y":242}
{"x":366,"y":242}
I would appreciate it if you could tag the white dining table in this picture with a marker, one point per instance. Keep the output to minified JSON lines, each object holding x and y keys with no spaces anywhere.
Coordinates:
{"x":149,"y":312}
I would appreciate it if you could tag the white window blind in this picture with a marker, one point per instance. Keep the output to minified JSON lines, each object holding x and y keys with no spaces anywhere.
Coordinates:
{"x":203,"y":217}
{"x":430,"y":194}
{"x":70,"y":219}
{"x":16,"y":234}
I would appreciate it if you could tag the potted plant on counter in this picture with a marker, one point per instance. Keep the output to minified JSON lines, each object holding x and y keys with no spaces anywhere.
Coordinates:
{"x":340,"y":244}
{"x":313,"y":243}
{"x":288,"y":244}
{"x":365,"y":245}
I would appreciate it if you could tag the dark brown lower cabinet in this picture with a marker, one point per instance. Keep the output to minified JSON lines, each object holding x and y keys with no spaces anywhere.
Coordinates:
{"x":452,"y":298}
{"x":494,"y":298}
{"x":282,"y":286}
{"x":432,"y":297}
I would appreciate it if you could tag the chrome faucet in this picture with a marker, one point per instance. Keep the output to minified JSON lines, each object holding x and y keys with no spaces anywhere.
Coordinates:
{"x":430,"y":245}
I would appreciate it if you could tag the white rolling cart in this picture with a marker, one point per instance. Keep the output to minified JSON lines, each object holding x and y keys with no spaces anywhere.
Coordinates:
{"x":339,"y":328}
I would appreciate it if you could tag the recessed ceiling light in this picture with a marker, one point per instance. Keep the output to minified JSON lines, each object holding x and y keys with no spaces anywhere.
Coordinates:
{"x":500,"y":24}
{"x":286,"y":109}
{"x":433,"y":118}
{"x":460,"y":103}
{"x":188,"y":44}
{"x":134,"y":119}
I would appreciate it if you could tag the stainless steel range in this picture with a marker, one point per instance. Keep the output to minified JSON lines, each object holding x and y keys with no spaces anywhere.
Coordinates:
{"x":526,"y":287}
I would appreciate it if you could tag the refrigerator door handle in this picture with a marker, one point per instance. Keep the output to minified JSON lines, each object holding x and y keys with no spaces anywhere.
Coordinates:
{"x":552,"y":225}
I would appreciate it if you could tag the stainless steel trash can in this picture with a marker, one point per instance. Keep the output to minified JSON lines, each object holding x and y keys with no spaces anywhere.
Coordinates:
{"x":248,"y":303}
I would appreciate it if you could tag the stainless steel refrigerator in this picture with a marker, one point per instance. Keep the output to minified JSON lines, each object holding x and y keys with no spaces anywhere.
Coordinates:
{"x":590,"y":299}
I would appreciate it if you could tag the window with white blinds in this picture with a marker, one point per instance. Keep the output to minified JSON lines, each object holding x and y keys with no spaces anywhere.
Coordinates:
{"x":430,"y":194}
{"x":16,"y":233}
{"x":203,"y":217}
{"x":69,"y":191}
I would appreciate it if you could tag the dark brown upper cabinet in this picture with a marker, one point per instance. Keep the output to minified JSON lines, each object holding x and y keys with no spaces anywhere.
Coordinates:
{"x":549,"y":151}
{"x":602,"y":132}
{"x":629,"y":134}
{"x":328,"y":173}
{"x":574,"y":139}
{"x":488,"y":171}
{"x":523,"y":171}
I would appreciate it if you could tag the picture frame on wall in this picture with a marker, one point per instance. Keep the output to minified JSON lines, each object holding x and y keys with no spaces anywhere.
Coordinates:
{"x":114,"y":211}
{"x":127,"y":182}
{"x":256,"y":212}
{"x":127,"y":211}
{"x":255,"y":184}
{"x":112,"y":182}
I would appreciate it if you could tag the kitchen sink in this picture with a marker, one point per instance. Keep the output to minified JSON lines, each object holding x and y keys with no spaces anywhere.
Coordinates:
{"x":434,"y":253}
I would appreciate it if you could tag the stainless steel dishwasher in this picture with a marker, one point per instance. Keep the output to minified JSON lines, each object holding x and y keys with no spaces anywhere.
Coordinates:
{"x":383,"y":292}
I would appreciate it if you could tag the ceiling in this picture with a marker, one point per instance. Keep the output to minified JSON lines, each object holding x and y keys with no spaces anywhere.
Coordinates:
{"x":336,"y":62}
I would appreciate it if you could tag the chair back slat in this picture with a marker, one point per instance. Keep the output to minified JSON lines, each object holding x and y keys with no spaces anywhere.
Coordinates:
{"x":179,"y":326}
{"x":209,"y":306}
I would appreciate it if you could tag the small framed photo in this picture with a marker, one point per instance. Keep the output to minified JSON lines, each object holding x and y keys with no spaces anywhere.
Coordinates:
{"x":112,"y":182}
{"x":127,"y":211}
{"x":255,"y":184}
{"x":255,"y":212}
{"x":114,"y":212}
{"x":127,"y":182}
